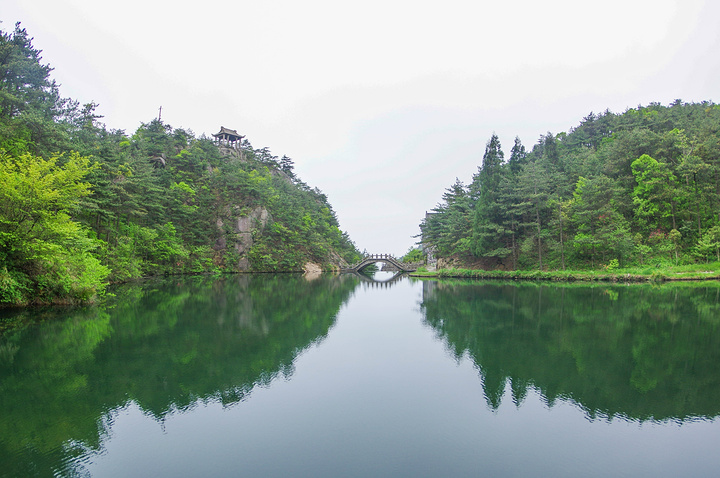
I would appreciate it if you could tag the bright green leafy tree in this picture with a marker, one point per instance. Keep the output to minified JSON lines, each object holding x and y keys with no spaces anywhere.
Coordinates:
{"x":44,"y":254}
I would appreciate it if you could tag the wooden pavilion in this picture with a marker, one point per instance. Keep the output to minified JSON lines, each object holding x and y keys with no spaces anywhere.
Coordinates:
{"x":228,"y":137}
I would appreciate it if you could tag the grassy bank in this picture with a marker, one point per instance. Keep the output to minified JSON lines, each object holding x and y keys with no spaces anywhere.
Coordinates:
{"x":632,"y":274}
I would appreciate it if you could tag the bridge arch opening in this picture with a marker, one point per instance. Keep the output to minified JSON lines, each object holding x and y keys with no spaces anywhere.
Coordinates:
{"x":385,"y":258}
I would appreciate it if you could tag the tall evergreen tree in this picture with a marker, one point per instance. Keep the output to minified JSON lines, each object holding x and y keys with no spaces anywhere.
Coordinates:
{"x":488,"y":232}
{"x":518,"y":156}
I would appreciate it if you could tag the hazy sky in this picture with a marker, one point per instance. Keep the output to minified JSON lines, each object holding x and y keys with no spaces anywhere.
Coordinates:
{"x":381,"y":104}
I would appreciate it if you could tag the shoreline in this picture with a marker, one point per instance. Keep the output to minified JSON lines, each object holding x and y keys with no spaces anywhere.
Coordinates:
{"x":570,"y":276}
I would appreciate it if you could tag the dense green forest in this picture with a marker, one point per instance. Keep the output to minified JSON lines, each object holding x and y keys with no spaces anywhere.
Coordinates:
{"x":81,"y":204}
{"x":633,"y":189}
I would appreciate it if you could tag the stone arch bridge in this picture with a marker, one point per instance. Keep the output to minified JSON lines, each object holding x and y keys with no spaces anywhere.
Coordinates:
{"x":386,"y":258}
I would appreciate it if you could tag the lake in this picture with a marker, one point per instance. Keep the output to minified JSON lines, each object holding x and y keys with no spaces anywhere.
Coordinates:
{"x":284,"y":375}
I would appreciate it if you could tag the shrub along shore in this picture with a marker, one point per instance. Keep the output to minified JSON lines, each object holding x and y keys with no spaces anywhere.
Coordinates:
{"x":695,"y":272}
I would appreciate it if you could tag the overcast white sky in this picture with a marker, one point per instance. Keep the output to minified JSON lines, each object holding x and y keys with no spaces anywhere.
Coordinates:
{"x":381,"y":104}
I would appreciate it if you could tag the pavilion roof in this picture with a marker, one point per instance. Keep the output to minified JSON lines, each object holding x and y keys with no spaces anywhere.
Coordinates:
{"x":228,"y":132}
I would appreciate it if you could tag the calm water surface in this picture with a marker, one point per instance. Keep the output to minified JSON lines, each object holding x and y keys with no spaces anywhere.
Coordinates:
{"x":283,"y":375}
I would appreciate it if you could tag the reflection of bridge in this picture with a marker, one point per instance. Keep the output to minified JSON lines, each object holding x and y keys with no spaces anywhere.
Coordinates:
{"x":386,"y":258}
{"x":379,"y":283}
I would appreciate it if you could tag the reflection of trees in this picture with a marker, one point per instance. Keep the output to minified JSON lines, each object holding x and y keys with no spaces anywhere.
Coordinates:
{"x":640,"y":351}
{"x":164,"y":345}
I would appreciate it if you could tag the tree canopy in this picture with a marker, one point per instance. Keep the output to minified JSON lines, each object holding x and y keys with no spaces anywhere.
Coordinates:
{"x":81,"y":204}
{"x":620,"y":189}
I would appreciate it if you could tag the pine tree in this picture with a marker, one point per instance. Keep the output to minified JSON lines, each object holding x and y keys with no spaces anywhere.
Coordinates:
{"x":488,"y":232}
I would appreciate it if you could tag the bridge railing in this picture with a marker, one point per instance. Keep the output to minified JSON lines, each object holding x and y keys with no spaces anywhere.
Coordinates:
{"x":382,"y":257}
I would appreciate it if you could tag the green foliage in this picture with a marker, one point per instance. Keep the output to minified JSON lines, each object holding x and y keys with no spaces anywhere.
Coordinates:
{"x":30,"y":105}
{"x":160,"y":201}
{"x":414,"y":254}
{"x":448,"y":228}
{"x":614,"y":187}
{"x":653,"y":195}
{"x":38,"y":239}
{"x":709,"y":245}
{"x":14,"y":287}
{"x":487,"y":221}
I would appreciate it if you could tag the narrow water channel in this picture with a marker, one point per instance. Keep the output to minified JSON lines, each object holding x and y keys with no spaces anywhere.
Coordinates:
{"x":285,"y":375}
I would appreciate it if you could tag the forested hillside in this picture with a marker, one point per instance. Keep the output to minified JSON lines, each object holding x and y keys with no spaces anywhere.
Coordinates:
{"x":81,"y":205}
{"x":637,"y":188}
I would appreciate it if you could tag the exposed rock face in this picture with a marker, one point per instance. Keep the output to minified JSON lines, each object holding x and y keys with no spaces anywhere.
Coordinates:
{"x":258,"y":217}
{"x":448,"y":263}
{"x":244,"y":242}
{"x":240,"y":237}
{"x":336,"y":259}
{"x":312,"y":268}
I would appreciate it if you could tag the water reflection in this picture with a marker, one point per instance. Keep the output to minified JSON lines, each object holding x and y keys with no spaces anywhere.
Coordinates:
{"x":379,"y":388}
{"x":163,"y":346}
{"x":638,"y":352}
{"x":380,"y":279}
